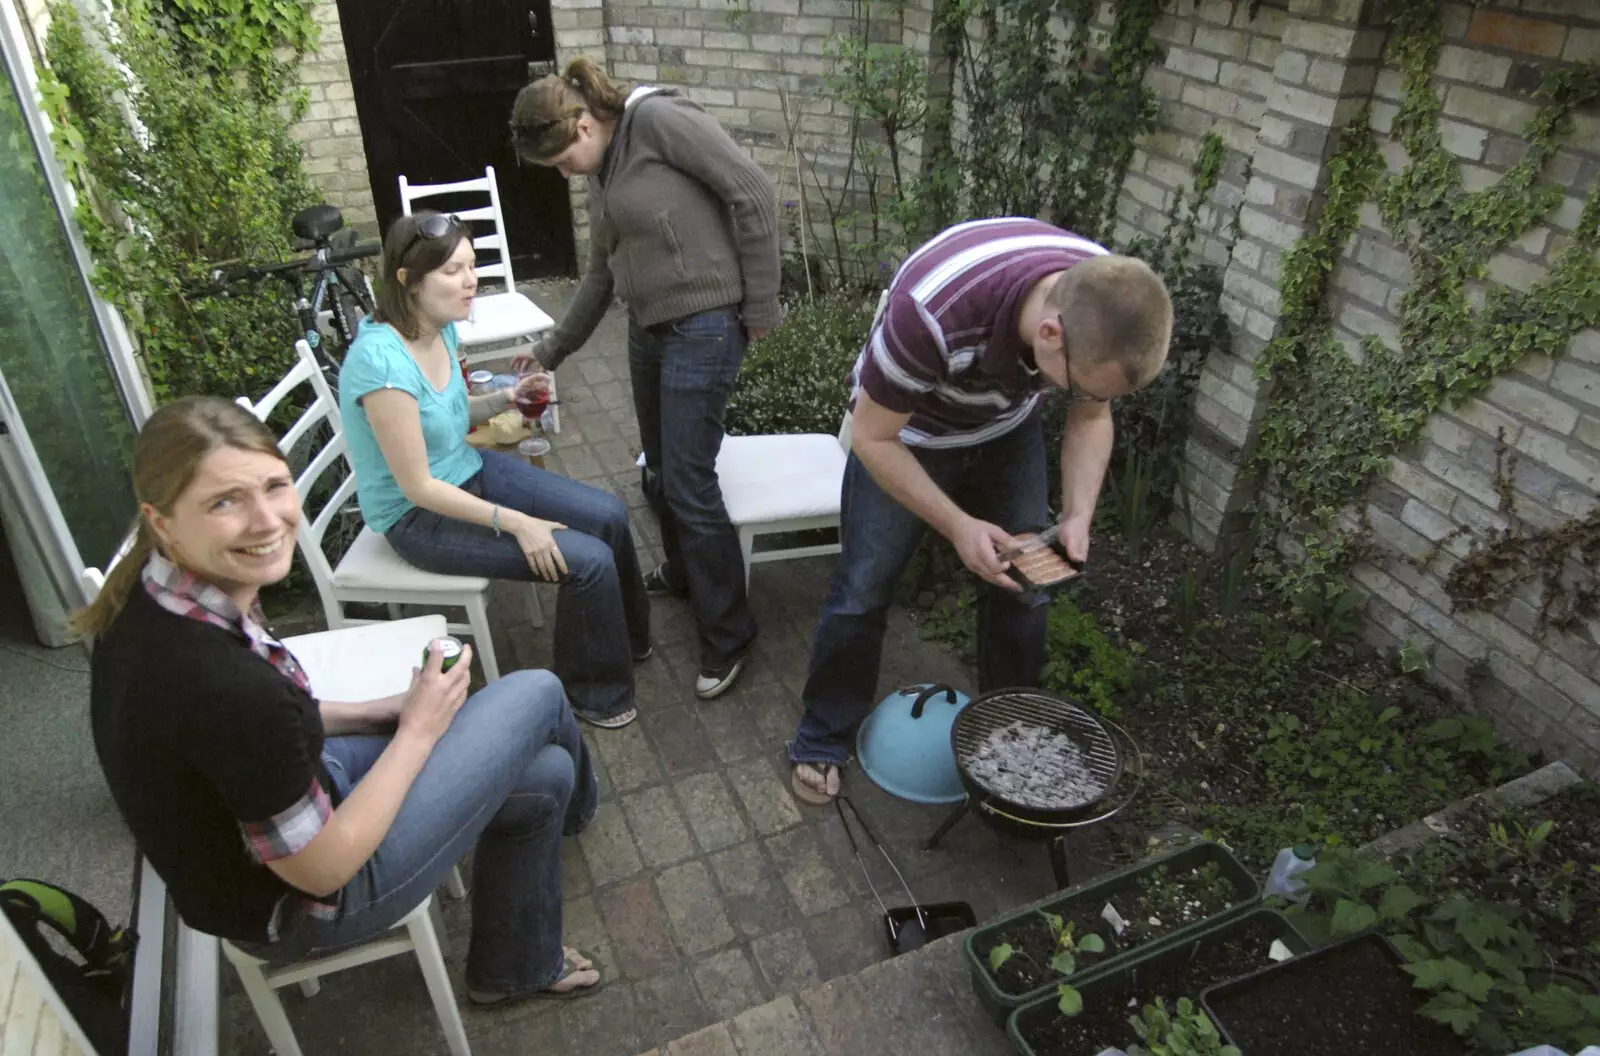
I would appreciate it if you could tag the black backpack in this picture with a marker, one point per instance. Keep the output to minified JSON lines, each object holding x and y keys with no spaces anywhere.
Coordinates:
{"x":94,"y":984}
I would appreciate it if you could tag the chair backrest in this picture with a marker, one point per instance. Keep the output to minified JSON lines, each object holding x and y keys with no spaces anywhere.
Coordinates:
{"x":324,"y":407}
{"x":491,"y":214}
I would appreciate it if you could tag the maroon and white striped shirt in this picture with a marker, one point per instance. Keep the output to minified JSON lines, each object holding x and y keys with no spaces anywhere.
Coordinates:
{"x":945,"y":348}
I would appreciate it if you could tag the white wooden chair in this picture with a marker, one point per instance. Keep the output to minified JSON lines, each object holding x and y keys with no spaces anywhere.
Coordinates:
{"x":782,"y":483}
{"x":501,"y":324}
{"x":370,"y":571}
{"x":356,"y":663}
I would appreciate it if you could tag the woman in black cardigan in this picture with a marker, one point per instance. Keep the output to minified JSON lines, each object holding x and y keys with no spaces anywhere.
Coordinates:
{"x":294,"y":826}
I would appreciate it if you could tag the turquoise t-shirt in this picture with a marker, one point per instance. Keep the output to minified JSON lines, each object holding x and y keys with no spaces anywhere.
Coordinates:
{"x":378,"y":360}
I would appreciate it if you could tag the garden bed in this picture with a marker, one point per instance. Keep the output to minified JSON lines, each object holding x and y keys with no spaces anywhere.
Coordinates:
{"x":1236,"y":948}
{"x":1100,"y":924}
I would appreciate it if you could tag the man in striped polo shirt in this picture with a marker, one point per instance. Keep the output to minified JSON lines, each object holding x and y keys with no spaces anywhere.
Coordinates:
{"x":977,"y":325}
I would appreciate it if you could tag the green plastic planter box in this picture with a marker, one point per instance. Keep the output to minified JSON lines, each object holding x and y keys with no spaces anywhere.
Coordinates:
{"x":1247,"y":893}
{"x":1095,"y":981}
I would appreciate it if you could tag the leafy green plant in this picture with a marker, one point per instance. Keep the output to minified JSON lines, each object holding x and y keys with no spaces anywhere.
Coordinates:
{"x":1065,"y":951}
{"x":1184,"y":1031}
{"x":1080,"y":660}
{"x":1130,"y":498}
{"x":1187,"y":606}
{"x":210,"y":174}
{"x":797,"y":378}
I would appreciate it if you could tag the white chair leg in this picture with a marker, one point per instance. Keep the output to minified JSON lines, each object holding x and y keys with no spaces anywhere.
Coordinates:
{"x":454,"y":886}
{"x":535,"y":606}
{"x":395,"y":612}
{"x":311,"y":987}
{"x":431,"y":958}
{"x":269,"y":1010}
{"x":747,"y":547}
{"x":436,"y":911}
{"x":478,"y":619}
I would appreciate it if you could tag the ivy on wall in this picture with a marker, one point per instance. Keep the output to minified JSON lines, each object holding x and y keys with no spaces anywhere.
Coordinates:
{"x":1335,"y":419}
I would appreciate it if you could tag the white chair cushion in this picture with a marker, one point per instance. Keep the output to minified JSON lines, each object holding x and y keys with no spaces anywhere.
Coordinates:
{"x":780,"y":478}
{"x":502,"y":317}
{"x":365,"y":662}
{"x":371,"y":563}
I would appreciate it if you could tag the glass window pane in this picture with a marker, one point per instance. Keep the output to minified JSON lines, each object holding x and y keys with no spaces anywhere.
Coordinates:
{"x":51,"y":352}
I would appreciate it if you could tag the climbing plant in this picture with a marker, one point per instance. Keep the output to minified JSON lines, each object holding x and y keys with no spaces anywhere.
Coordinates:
{"x":181,"y":165}
{"x":1336,"y":418}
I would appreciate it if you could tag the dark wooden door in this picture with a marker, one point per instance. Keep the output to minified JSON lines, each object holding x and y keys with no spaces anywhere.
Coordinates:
{"x":434,"y":82}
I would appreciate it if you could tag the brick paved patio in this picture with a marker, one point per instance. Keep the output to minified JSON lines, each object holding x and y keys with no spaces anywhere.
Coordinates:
{"x":703,"y":886}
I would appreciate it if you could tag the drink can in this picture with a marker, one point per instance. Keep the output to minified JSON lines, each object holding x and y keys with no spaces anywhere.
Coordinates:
{"x":449,"y":648}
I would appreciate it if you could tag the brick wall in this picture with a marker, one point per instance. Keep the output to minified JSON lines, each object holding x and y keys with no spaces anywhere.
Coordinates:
{"x":336,"y":160}
{"x":1542,"y":686}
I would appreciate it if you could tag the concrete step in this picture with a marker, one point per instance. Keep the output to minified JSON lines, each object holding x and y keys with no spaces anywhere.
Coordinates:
{"x":917,"y":1004}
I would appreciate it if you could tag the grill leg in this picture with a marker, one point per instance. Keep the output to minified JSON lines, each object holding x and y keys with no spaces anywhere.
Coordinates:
{"x":948,"y":824}
{"x":1058,"y":861}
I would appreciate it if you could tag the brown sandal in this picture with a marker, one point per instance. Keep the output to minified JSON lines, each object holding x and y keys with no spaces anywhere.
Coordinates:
{"x":806,"y":792}
{"x":569,"y":967}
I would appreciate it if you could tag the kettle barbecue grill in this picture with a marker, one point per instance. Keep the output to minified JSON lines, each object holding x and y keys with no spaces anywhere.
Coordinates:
{"x":1101,"y":755}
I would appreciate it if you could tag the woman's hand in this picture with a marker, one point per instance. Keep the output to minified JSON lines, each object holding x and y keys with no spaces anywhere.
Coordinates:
{"x":538,"y":542}
{"x":435,"y":696}
{"x":536,"y":384}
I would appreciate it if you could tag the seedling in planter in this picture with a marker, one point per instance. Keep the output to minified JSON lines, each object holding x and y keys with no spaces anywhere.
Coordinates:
{"x":1064,"y":954}
{"x":1186,"y":1031}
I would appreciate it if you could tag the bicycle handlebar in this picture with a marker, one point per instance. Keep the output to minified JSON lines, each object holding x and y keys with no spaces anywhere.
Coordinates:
{"x":221,"y":278}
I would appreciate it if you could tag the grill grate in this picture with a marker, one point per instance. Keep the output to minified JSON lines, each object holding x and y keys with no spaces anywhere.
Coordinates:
{"x":987,"y":714}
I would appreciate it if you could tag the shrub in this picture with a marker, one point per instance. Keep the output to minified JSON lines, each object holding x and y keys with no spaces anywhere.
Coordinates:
{"x":1080,"y":660}
{"x":797,"y":378}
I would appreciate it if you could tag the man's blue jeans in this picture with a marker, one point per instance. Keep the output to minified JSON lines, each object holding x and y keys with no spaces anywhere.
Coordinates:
{"x":512,"y":774}
{"x":602,"y":612}
{"x":683,"y":373}
{"x":1002,"y":482}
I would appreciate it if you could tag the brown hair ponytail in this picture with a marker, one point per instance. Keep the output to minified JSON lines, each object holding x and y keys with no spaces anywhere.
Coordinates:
{"x":544,"y":119}
{"x":166,"y":456}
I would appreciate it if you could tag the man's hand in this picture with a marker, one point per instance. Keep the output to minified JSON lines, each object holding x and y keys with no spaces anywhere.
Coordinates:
{"x":979,"y":543}
{"x":528,"y":361}
{"x":1075,"y":535}
{"x":755,"y":333}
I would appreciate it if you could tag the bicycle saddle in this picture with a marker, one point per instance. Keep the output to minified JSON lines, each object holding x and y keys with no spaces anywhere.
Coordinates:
{"x":317,"y":222}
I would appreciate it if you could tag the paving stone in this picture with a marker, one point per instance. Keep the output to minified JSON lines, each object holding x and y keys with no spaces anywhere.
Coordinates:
{"x":507,"y":1032}
{"x":712,"y":815}
{"x":595,"y":369}
{"x":659,"y":831}
{"x":694,"y":907}
{"x":845,"y":940}
{"x":767,"y":801}
{"x":607,"y":848}
{"x":680,"y":742}
{"x":814,"y":884}
{"x":640,"y":935}
{"x":575,"y":879}
{"x":582,"y":926}
{"x":728,"y":727}
{"x":753,"y":894}
{"x":774,"y":1029}
{"x":616,"y":456}
{"x":728,"y":982}
{"x":610,"y":394}
{"x":668,"y":1006}
{"x":628,"y":758}
{"x":603,"y":1023}
{"x":785,"y":961}
{"x":713,"y":1041}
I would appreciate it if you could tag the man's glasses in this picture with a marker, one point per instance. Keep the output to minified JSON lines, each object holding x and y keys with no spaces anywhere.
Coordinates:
{"x":1074,"y":394}
{"x":436,"y":226}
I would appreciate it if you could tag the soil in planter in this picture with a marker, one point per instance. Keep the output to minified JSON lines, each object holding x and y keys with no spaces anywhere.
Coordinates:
{"x":1158,"y":904}
{"x":1107,"y":1008}
{"x":1347,"y":1001}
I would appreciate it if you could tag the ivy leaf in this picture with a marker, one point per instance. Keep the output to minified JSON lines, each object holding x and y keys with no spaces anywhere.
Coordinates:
{"x":1398,"y":902}
{"x":1453,"y":1010}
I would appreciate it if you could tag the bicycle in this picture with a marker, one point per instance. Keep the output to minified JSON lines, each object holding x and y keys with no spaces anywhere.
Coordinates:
{"x":343,"y":292}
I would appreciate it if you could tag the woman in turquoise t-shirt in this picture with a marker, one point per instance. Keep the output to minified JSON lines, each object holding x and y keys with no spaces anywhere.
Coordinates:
{"x":447,"y":508}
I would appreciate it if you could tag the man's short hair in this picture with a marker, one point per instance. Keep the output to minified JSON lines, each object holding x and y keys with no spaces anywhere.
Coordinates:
{"x":1115,"y":309}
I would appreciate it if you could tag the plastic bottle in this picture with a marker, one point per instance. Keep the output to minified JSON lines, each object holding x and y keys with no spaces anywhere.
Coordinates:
{"x":1284,"y":879}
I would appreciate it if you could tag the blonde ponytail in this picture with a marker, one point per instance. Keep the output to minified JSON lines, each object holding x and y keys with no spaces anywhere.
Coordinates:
{"x":95,"y":618}
{"x":544,"y":119}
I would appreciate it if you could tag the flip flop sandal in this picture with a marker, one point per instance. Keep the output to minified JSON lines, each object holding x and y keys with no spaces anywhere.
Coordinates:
{"x":610,"y":722}
{"x":569,"y":967}
{"x":807,"y":794}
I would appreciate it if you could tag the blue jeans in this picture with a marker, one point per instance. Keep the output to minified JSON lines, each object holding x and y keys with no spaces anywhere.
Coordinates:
{"x":602,"y":612}
{"x":683,"y":373}
{"x":512,"y":774}
{"x":1002,"y":482}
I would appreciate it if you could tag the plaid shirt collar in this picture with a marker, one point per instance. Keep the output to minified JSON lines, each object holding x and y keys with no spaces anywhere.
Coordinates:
{"x":187,"y":595}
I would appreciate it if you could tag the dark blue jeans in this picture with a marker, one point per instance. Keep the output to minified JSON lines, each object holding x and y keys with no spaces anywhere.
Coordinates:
{"x":512,"y":774}
{"x":602,"y":612}
{"x":1002,"y":482}
{"x":683,"y":373}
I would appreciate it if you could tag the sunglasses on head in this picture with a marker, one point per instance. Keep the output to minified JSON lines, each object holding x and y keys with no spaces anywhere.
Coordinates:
{"x":436,"y":226}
